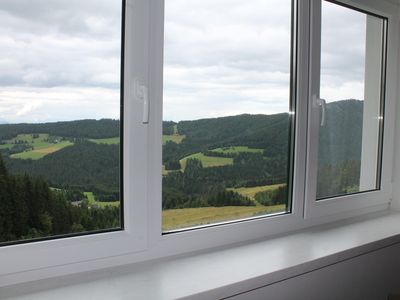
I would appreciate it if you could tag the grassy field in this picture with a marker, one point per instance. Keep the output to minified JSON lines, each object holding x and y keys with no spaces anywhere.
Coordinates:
{"x":176,"y":138}
{"x":208,"y":161}
{"x":6,"y":146}
{"x":40,"y":146}
{"x":237,"y":149}
{"x":109,"y":141}
{"x":187,"y":217}
{"x":92,"y":201}
{"x":252,"y":191}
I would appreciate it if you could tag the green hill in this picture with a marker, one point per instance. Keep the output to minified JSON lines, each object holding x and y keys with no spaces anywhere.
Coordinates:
{"x":94,"y":166}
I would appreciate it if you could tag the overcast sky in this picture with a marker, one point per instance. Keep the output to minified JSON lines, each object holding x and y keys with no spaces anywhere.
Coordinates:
{"x":60,"y":60}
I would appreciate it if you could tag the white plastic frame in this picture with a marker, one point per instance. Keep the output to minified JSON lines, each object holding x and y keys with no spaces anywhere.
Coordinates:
{"x":142,"y":239}
{"x":346,"y":203}
{"x":19,"y":258}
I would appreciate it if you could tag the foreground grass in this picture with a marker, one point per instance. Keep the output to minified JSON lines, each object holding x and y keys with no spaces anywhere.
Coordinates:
{"x":108,"y":141}
{"x":92,"y":201}
{"x":40,"y":146}
{"x":188,"y":217}
{"x":252,"y":191}
{"x":237,"y":149}
{"x":208,"y":161}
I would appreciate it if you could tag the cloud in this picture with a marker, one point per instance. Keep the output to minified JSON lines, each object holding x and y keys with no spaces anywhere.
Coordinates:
{"x":27,"y":104}
{"x":60,"y":59}
{"x":227,"y":57}
{"x":67,"y":47}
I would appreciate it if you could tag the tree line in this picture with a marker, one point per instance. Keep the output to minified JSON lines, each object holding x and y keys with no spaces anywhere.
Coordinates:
{"x":30,"y":209}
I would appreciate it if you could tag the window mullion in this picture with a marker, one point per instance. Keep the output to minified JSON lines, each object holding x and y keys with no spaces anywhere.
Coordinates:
{"x":313,"y":107}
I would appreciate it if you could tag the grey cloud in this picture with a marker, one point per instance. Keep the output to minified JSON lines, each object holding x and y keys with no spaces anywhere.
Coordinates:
{"x":56,"y":43}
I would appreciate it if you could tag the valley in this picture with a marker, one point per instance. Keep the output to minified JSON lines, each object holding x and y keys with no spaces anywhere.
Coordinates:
{"x":213,"y":170}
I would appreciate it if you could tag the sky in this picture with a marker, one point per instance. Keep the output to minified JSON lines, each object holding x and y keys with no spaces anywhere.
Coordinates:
{"x":60,"y":60}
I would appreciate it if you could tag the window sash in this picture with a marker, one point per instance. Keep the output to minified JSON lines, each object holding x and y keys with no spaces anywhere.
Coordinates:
{"x":364,"y":199}
{"x":142,"y":237}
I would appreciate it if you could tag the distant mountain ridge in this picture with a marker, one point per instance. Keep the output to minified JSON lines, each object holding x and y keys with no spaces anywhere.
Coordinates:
{"x":94,"y":129}
{"x":98,"y":165}
{"x":340,"y":139}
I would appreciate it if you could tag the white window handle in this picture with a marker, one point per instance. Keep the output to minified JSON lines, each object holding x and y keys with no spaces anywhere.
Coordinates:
{"x":322,"y":103}
{"x":146,"y":104}
{"x":141,"y":93}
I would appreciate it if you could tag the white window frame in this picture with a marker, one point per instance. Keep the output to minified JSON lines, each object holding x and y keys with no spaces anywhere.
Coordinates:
{"x":345,"y":203}
{"x":142,"y":237}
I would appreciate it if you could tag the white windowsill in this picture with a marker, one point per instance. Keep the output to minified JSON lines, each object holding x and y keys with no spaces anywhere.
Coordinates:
{"x":224,"y":272}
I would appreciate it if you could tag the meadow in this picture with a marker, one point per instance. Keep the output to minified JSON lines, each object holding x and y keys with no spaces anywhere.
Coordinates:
{"x":237,"y":149}
{"x":250,"y":192}
{"x":108,"y":141}
{"x":208,"y":161}
{"x":92,"y":201}
{"x":176,"y":138}
{"x":41,"y":146}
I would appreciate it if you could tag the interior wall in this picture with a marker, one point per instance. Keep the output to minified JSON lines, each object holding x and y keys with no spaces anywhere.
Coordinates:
{"x":373,"y":276}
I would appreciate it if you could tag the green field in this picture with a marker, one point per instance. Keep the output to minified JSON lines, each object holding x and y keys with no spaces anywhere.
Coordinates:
{"x":108,"y":141}
{"x":176,"y":138}
{"x":41,"y":147}
{"x":6,"y":146}
{"x":250,"y":192}
{"x":237,"y":149}
{"x":92,"y":201}
{"x":187,"y":217}
{"x":208,"y":161}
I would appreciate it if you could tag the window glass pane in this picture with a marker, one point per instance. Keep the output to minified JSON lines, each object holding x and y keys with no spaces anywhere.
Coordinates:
{"x":351,"y":76}
{"x":60,"y":66}
{"x":227,"y":127}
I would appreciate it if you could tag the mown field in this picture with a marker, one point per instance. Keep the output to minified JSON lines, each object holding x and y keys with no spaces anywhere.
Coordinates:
{"x":176,"y":138}
{"x":237,"y":149}
{"x":108,"y":141}
{"x":252,"y":191}
{"x":92,"y":201}
{"x":188,"y":217}
{"x":208,"y":161}
{"x":41,"y":147}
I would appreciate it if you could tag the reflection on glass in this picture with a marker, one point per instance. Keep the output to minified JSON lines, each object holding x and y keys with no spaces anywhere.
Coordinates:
{"x":226,"y":129}
{"x":351,"y":70}
{"x":59,"y":118}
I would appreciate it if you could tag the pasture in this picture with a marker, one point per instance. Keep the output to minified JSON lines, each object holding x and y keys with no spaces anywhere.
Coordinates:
{"x":176,"y":138}
{"x":108,"y":141}
{"x":237,"y":149}
{"x":41,"y":146}
{"x":92,"y":201}
{"x":208,"y":161}
{"x":250,"y":192}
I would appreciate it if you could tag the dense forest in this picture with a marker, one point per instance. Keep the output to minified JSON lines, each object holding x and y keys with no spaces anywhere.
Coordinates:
{"x":80,"y":129}
{"x":206,"y":163}
{"x":30,"y":209}
{"x":86,"y":166}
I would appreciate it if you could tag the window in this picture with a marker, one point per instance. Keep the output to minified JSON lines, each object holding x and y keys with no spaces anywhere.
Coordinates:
{"x":345,"y":157}
{"x":241,"y":120}
{"x":60,"y":108}
{"x":227,"y":131}
{"x":351,"y":84}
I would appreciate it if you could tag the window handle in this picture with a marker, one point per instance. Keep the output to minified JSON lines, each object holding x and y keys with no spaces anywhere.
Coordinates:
{"x":142,"y":94}
{"x":146,"y":104}
{"x":322,"y":103}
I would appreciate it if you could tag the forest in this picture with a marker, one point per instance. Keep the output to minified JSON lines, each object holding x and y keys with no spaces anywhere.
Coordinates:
{"x":30,"y":209}
{"x":64,"y":177}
